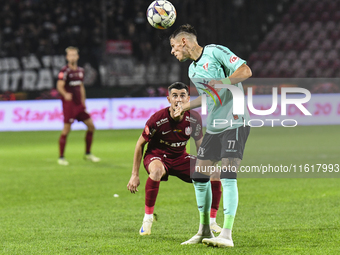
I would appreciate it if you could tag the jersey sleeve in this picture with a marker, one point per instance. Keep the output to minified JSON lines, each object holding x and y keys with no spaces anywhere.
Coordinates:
{"x":62,"y":75}
{"x":149,"y":129}
{"x":227,"y":58}
{"x":198,"y":133}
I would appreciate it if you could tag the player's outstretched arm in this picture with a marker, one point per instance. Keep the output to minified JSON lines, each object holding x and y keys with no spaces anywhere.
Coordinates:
{"x":137,"y":159}
{"x":241,"y":74}
{"x":61,"y":89}
{"x":181,"y":108}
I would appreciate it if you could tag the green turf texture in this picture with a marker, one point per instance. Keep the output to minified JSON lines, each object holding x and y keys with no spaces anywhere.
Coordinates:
{"x":50,"y":209}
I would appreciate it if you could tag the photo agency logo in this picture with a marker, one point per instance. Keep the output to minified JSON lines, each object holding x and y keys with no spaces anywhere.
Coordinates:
{"x":239,"y":104}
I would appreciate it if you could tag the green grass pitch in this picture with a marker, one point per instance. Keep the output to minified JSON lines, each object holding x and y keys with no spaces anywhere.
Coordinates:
{"x":50,"y":209}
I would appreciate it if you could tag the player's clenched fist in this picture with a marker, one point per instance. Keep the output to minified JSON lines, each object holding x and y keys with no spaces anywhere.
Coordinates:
{"x":179,"y":110}
{"x":133,"y":184}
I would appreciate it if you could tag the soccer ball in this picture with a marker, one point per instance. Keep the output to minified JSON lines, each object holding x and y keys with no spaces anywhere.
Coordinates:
{"x":161,"y":14}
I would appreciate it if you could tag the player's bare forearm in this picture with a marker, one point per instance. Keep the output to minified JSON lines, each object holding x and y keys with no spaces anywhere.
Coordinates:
{"x":241,"y":74}
{"x":61,"y":87}
{"x":187,"y":106}
{"x":83,"y":94}
{"x":198,"y":143}
{"x":193,"y":104}
{"x":137,"y":158}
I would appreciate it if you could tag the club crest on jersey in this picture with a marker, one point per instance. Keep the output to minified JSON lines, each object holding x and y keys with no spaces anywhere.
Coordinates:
{"x":233,"y":59}
{"x":205,"y":66}
{"x":188,"y":130}
{"x":80,"y":75}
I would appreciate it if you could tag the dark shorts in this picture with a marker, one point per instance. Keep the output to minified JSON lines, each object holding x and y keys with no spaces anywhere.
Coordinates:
{"x":180,"y":167}
{"x":228,"y":144}
{"x":73,"y":112}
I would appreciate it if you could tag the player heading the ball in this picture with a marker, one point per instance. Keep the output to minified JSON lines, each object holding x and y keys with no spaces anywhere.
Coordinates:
{"x":211,"y":65}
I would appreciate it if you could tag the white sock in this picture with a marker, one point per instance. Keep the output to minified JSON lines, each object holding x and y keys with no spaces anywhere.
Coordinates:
{"x":148,"y":216}
{"x":226,"y":233}
{"x":212,"y":220}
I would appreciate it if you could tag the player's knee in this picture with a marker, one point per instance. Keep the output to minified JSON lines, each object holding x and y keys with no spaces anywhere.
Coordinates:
{"x":91,"y":127}
{"x":198,"y":177}
{"x":156,"y":173}
{"x":215,"y":176}
{"x":66,"y":131}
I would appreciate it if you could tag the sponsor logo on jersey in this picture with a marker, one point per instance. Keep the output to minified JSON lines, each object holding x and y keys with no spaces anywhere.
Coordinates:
{"x":200,"y":152}
{"x":75,"y":83}
{"x":231,"y":150}
{"x":198,"y":130}
{"x":205,"y":66}
{"x":178,"y":144}
{"x":164,"y":133}
{"x":161,"y":122}
{"x":190,"y":119}
{"x":177,"y":130}
{"x":233,"y":59}
{"x":188,"y":130}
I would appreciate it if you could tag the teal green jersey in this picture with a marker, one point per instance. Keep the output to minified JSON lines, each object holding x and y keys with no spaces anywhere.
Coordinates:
{"x":215,"y":63}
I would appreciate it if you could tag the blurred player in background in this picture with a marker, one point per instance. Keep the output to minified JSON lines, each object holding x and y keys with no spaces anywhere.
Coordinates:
{"x":71,"y":88}
{"x":221,"y":142}
{"x":166,"y":154}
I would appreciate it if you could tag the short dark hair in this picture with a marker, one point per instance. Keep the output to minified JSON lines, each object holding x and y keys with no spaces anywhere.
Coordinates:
{"x":178,"y":85}
{"x":187,"y":28}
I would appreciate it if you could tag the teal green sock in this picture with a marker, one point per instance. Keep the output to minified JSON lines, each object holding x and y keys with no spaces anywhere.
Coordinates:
{"x":230,"y":201}
{"x":203,"y":198}
{"x":228,"y":221}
